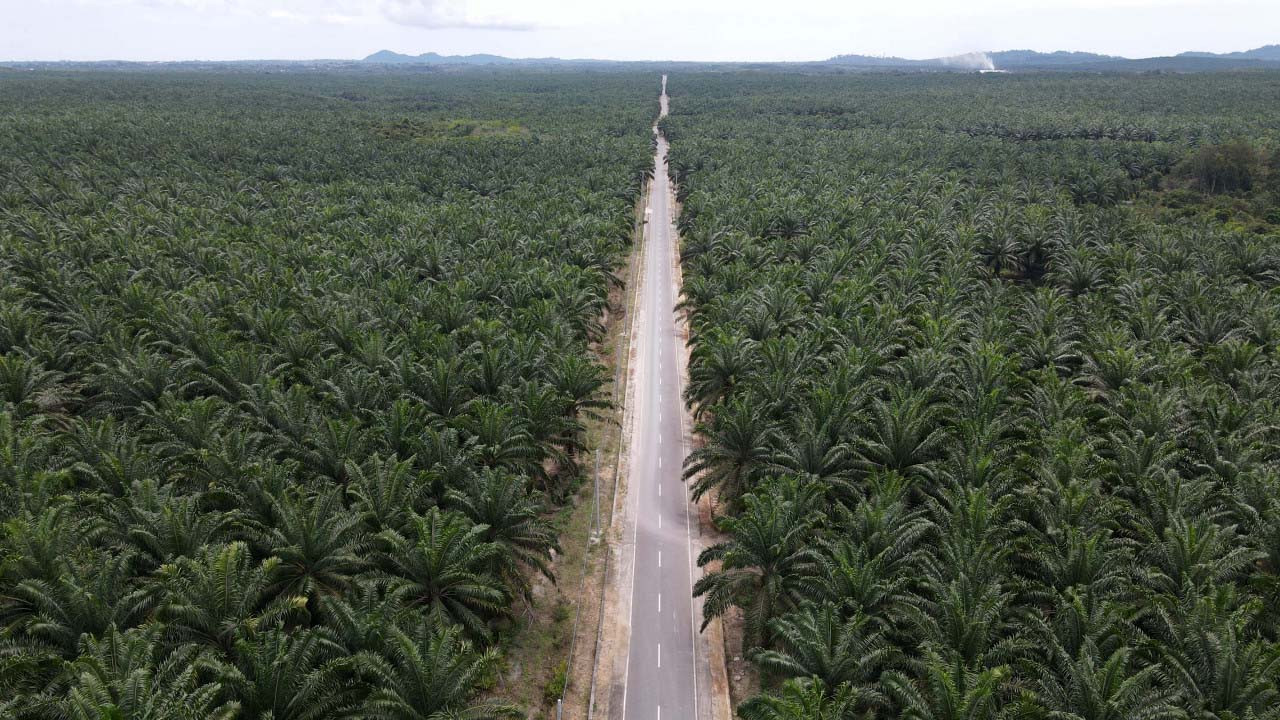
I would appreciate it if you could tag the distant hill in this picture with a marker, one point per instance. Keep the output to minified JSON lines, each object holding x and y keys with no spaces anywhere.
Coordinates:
{"x":1026,"y":60}
{"x":1186,"y":62}
{"x":1266,"y":57}
{"x":1266,"y":52}
{"x":879,"y":61}
{"x":1018,"y":59}
{"x":388,"y":57}
{"x":1004,"y":60}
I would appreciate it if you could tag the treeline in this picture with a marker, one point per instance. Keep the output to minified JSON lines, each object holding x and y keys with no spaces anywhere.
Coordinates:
{"x":985,"y":441}
{"x":285,"y":403}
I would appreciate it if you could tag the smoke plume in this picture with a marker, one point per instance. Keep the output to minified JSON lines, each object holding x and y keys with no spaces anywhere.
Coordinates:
{"x":971,"y":61}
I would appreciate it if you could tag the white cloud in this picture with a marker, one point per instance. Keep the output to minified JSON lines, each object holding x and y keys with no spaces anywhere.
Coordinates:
{"x":650,"y":29}
{"x":430,"y":14}
{"x":453,"y":14}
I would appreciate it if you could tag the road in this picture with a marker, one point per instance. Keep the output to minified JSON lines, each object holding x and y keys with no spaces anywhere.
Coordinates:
{"x":662,"y":667}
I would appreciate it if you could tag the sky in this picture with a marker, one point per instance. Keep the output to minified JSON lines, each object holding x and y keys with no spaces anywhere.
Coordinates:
{"x":706,"y":30}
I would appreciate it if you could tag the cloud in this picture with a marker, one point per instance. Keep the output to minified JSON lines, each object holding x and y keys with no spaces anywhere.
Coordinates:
{"x":452,"y":14}
{"x":429,"y":14}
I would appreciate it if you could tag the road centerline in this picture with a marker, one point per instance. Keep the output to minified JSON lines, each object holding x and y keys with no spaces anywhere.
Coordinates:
{"x":656,"y":577}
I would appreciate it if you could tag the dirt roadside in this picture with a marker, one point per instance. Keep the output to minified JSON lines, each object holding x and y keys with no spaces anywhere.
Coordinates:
{"x":586,"y":691}
{"x":613,"y":601}
{"x":555,"y":648}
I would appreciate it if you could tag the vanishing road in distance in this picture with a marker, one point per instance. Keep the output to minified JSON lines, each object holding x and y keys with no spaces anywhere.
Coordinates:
{"x":662,"y":667}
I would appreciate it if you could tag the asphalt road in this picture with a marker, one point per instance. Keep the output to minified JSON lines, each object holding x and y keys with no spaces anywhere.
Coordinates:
{"x":661,"y":671}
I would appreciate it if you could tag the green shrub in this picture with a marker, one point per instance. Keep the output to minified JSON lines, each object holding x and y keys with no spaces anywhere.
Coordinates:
{"x":1229,"y":167}
{"x":555,"y":686}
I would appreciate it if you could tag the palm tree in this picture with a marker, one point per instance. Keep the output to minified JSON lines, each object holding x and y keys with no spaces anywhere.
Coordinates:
{"x":890,"y":520}
{"x":578,"y":381}
{"x":804,"y":699}
{"x":162,"y":526}
{"x":385,"y":492}
{"x":947,"y":691}
{"x":318,"y":545}
{"x":107,"y":457}
{"x":29,"y":479}
{"x":967,"y":622}
{"x":443,"y":386}
{"x":427,"y":673}
{"x":91,"y":592}
{"x":512,"y":519}
{"x":1213,"y":649}
{"x":288,"y":675}
{"x":1072,"y":559}
{"x":812,"y":453}
{"x":32,"y":679}
{"x":26,"y":387}
{"x":41,"y":542}
{"x":738,"y":446}
{"x":1095,"y":687}
{"x":130,"y":675}
{"x":1197,"y":554}
{"x":817,"y":642}
{"x":183,"y":431}
{"x":130,"y":374}
{"x":501,"y":437}
{"x":719,"y":361}
{"x":361,"y":620}
{"x":443,"y":569}
{"x":448,"y":460}
{"x":903,"y":434}
{"x":999,"y":251}
{"x":846,"y":576}
{"x":762,"y":568}
{"x":544,"y":409}
{"x":221,"y":596}
{"x":400,"y":426}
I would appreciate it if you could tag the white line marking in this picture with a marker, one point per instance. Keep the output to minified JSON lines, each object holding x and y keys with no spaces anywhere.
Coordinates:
{"x":659,"y":489}
{"x":659,"y":607}
{"x":659,"y":462}
{"x":658,"y":201}
{"x":659,"y":594}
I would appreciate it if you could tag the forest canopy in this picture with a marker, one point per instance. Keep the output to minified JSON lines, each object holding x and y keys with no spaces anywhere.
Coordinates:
{"x":989,"y":399}
{"x":295,"y":370}
{"x":287,"y":394}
